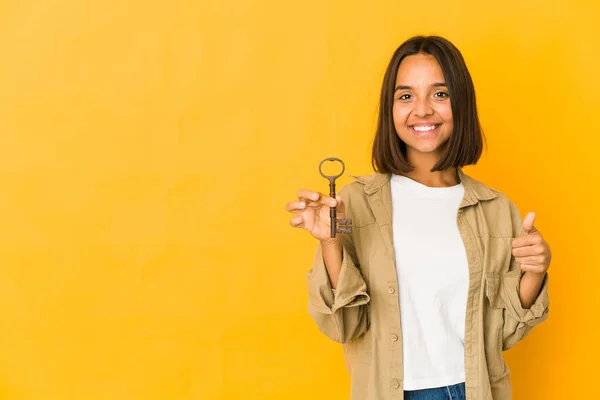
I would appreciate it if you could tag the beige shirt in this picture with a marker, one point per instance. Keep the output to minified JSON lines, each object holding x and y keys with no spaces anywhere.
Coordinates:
{"x":363,"y":313}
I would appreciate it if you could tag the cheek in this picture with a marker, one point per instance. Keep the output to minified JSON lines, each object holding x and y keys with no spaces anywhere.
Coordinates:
{"x":446,"y":113}
{"x":400,"y":115}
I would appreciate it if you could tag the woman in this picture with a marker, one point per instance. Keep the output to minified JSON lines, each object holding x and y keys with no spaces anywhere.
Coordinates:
{"x":439,"y":274}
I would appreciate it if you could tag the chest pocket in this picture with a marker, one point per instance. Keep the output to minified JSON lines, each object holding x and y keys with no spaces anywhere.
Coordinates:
{"x":498,"y":254}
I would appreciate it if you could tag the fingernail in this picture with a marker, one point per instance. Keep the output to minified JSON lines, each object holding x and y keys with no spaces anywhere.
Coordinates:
{"x":301,"y":204}
{"x":333,"y":202}
{"x":314,"y":196}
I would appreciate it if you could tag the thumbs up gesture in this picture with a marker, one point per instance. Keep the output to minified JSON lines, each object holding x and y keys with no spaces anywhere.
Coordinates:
{"x":531,"y":251}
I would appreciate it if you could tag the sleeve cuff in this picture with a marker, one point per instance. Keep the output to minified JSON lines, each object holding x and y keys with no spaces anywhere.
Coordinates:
{"x":511,"y":284}
{"x":351,"y":289}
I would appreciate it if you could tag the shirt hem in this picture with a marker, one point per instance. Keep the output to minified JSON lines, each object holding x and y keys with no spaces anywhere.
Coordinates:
{"x":420,"y":384}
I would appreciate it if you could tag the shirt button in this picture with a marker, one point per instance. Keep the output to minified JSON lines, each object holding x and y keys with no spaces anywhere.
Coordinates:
{"x":395,"y":384}
{"x":394,"y":337}
{"x":391,"y":290}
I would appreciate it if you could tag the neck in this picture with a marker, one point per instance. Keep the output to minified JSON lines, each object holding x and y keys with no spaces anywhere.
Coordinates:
{"x":422,"y":172}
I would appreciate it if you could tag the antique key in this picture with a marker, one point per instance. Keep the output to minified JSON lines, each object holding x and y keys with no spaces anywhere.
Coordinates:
{"x":345,"y":225}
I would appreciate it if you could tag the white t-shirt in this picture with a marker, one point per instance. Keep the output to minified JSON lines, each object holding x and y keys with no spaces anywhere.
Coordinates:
{"x":433,"y":280}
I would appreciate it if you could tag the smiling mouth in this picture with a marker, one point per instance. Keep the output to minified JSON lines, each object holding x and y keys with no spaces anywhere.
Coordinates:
{"x":425,"y":130}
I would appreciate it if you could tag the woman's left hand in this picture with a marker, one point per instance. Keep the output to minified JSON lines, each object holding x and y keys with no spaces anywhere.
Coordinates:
{"x":531,"y":251}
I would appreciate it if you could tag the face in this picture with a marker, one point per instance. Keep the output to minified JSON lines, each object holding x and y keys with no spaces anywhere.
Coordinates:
{"x":422,"y":111}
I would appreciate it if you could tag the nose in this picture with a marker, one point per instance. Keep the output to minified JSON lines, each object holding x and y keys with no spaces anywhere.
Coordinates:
{"x":422,"y":107}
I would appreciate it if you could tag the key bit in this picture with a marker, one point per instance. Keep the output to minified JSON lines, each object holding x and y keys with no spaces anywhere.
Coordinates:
{"x":345,"y":225}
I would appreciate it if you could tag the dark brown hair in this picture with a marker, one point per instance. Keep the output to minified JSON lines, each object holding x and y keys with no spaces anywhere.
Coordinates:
{"x":465,"y":145}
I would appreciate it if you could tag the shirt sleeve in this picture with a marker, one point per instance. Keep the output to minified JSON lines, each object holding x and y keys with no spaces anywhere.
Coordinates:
{"x":339,"y":314}
{"x":518,"y":321}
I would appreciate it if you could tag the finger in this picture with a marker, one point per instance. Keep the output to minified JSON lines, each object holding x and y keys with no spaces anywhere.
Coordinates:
{"x":529,"y":240}
{"x":532,"y":268}
{"x":528,"y":223}
{"x":526,"y":251}
{"x":308,"y":195}
{"x":323,"y":201}
{"x":532,"y":260}
{"x":295,"y":206}
{"x":526,"y":267}
{"x":297,"y":222}
{"x":314,"y":199}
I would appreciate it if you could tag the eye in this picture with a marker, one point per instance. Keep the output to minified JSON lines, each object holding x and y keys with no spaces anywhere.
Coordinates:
{"x":405,"y":96}
{"x":441,"y":95}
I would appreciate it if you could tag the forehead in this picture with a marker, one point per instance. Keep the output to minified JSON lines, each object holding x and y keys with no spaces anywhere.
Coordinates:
{"x":419,"y":69}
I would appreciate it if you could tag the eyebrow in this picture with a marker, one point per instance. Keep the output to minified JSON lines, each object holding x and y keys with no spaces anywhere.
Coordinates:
{"x":436,"y":84}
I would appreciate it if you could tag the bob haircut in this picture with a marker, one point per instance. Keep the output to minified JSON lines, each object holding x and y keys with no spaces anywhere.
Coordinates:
{"x":465,"y":145}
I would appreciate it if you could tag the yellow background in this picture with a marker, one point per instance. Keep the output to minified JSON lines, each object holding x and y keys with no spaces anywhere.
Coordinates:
{"x":147,"y":150}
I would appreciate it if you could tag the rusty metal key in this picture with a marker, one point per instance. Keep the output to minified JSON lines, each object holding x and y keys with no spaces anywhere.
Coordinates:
{"x":337,"y":225}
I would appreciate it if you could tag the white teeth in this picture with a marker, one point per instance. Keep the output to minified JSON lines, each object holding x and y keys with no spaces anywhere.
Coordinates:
{"x":424,"y":128}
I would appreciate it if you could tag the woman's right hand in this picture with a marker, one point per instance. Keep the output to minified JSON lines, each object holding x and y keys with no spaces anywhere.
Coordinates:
{"x":312,"y":213}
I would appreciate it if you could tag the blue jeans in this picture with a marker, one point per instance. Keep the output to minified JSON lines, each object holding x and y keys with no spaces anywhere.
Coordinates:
{"x":454,"y":392}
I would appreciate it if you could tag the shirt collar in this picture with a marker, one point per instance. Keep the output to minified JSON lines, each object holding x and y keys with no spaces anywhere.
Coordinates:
{"x":475,"y":191}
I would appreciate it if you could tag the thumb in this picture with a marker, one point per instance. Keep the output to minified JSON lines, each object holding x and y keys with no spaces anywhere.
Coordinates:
{"x":528,"y":223}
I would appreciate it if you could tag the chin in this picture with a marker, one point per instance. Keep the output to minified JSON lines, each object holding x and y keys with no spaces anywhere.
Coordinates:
{"x":426,"y":148}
